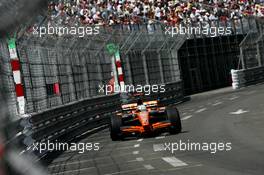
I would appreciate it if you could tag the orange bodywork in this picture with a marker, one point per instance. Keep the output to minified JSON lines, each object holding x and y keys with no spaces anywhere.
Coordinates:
{"x":146,"y":126}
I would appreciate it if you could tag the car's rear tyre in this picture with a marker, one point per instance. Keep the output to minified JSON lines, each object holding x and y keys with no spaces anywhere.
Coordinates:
{"x":174,"y":117}
{"x":115,"y":125}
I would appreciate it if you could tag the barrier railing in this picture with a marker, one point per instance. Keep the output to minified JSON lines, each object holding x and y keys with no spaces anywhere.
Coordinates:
{"x":65,"y":123}
{"x":254,"y":76}
{"x":247,"y":77}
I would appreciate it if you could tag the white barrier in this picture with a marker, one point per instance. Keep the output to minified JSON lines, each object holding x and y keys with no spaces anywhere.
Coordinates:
{"x":247,"y":77}
{"x":238,"y":78}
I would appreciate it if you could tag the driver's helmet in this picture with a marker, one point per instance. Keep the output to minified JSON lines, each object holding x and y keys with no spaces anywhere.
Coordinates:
{"x":142,"y":108}
{"x":139,"y":101}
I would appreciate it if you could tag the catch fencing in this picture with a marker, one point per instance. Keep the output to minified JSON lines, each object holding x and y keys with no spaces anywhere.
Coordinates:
{"x":61,"y":76}
{"x":76,"y":71}
{"x":57,"y":70}
{"x":251,"y":48}
{"x":251,"y":60}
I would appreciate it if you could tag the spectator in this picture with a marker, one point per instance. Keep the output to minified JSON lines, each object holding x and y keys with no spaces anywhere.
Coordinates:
{"x":111,"y":12}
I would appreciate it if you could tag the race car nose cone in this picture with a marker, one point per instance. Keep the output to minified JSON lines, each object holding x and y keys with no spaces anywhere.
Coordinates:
{"x":147,"y":128}
{"x":144,"y":118}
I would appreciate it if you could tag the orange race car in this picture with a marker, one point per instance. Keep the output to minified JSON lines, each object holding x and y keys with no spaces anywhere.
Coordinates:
{"x":144,"y":118}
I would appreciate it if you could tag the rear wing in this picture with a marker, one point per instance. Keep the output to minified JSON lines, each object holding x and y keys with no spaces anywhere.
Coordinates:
{"x":133,"y":106}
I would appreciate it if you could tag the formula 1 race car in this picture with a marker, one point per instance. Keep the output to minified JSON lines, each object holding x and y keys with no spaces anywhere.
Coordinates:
{"x":144,"y":118}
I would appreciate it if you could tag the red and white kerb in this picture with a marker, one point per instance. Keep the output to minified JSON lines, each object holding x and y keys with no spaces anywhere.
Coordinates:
{"x":15,"y":65}
{"x":119,"y":71}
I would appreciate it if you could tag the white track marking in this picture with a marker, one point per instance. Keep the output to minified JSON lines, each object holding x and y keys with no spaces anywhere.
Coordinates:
{"x":187,"y":117}
{"x":136,"y":145}
{"x":160,"y":137}
{"x":217,"y":103}
{"x":173,"y":161}
{"x":149,"y":167}
{"x":158,"y":147}
{"x":184,"y":167}
{"x":140,"y":140}
{"x":233,"y":98}
{"x":139,"y":159}
{"x":200,"y":110}
{"x":240,"y":111}
{"x":127,"y":171}
{"x":135,"y":152}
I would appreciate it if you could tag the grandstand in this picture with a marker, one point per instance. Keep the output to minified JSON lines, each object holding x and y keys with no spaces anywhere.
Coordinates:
{"x":171,"y":12}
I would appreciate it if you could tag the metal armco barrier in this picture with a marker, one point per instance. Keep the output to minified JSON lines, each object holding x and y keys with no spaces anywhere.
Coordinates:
{"x":254,"y":76}
{"x":246,"y":77}
{"x":67,"y":122}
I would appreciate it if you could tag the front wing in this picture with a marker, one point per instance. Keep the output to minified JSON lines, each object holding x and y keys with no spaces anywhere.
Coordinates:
{"x":145,"y":129}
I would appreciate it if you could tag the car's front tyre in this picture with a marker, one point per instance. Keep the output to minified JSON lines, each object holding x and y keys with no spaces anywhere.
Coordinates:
{"x":115,"y":125}
{"x":174,"y":117}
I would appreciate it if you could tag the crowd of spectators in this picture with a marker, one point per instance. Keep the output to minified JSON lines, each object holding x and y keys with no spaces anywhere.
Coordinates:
{"x":111,"y":12}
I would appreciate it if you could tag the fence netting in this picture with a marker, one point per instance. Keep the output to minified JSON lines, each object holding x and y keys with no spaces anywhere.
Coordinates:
{"x":252,"y":47}
{"x":58,"y":70}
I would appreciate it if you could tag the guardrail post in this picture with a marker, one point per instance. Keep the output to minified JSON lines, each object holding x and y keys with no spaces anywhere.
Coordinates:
{"x":160,"y":67}
{"x":242,"y":58}
{"x":175,"y":70}
{"x":258,"y":55}
{"x":145,"y":67}
{"x":129,"y":73}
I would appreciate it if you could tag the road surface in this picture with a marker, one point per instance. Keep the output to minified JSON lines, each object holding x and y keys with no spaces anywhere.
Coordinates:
{"x":218,"y":117}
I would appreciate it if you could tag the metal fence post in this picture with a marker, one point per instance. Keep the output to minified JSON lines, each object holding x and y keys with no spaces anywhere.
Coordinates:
{"x":242,"y":58}
{"x":129,"y":73}
{"x":175,"y":66}
{"x":145,"y":67}
{"x":100,"y":70}
{"x":114,"y":69}
{"x":258,"y":55}
{"x":160,"y":67}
